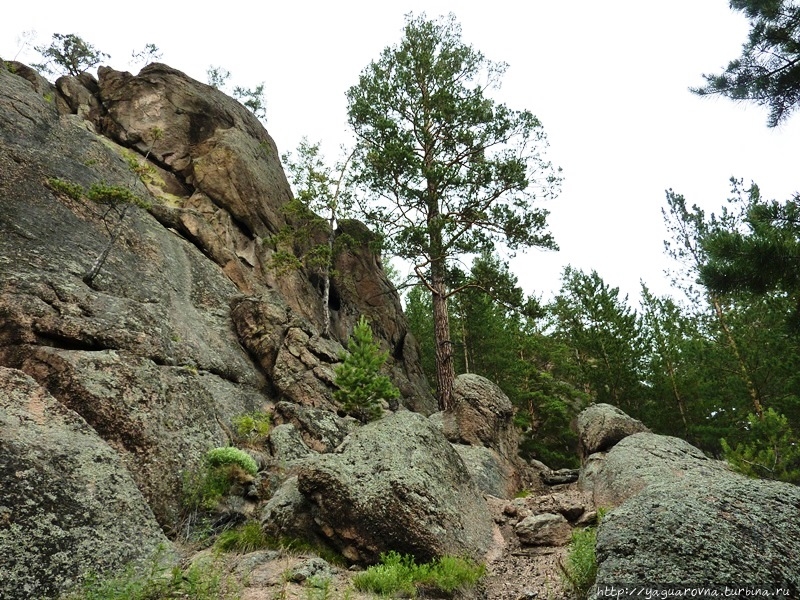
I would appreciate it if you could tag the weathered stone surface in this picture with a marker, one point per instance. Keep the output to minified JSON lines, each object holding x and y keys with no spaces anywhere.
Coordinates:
{"x":490,"y":473}
{"x":639,"y":460}
{"x":287,"y":445}
{"x":543,"y":530}
{"x":559,"y":476}
{"x":288,"y":514}
{"x":482,"y":417}
{"x":681,"y":517}
{"x":602,"y":425}
{"x":321,"y":430}
{"x":308,"y":569}
{"x":706,"y":528}
{"x":396,"y":484}
{"x":67,"y":503}
{"x":161,"y":420}
{"x":571,"y":504}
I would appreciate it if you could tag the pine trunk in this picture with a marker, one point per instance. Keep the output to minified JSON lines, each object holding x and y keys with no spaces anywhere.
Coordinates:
{"x":445,"y":372}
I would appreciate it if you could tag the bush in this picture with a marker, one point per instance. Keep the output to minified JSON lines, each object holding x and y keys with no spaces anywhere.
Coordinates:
{"x":361,"y":386}
{"x":399,"y":574}
{"x":253,"y":428}
{"x":220,"y":457}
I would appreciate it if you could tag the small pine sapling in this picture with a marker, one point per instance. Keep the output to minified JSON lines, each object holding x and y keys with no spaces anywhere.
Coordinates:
{"x":361,"y":386}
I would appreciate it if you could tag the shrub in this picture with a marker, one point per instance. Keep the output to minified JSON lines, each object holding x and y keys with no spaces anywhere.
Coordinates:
{"x":771,"y":453}
{"x":67,"y":188}
{"x":361,"y":386}
{"x":253,"y":428}
{"x":219,"y":457}
{"x":580,"y":570}
{"x":400,"y":574}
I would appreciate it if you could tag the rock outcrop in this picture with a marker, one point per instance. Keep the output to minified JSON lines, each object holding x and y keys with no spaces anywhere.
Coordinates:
{"x":67,"y":503}
{"x":682,"y":518}
{"x":396,"y":484}
{"x":186,"y":326}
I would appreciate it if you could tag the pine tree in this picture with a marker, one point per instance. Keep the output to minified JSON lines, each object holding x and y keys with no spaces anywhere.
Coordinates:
{"x":361,"y":386}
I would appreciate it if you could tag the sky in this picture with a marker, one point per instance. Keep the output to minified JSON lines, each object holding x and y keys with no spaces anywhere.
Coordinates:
{"x":608,"y":80}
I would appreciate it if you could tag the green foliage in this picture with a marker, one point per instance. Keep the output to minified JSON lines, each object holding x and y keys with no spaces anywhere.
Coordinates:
{"x":580,"y":569}
{"x":768,"y":71}
{"x":253,"y":98}
{"x":248,"y":537}
{"x":204,"y":488}
{"x":771,"y":449}
{"x":203,"y":580}
{"x":252,"y":428}
{"x":605,"y":334}
{"x":114,"y":195}
{"x":68,"y":54}
{"x":447,"y":170}
{"x":401,"y":575}
{"x":220,"y":457}
{"x":361,"y":386}
{"x":68,"y":188}
{"x":217,"y":77}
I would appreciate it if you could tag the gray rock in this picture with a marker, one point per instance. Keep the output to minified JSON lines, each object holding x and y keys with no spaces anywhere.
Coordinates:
{"x":600,"y":426}
{"x":639,"y":460}
{"x":543,"y":530}
{"x":288,"y":514}
{"x":287,"y":445}
{"x":559,"y":476}
{"x":482,"y":417}
{"x":684,"y":518}
{"x":723,"y":529}
{"x":67,"y":505}
{"x":396,"y":484}
{"x":321,"y":430}
{"x":490,"y":473}
{"x":310,"y":569}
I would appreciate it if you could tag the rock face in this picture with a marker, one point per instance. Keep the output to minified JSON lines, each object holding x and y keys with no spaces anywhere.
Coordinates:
{"x":185,"y":327}
{"x":67,"y":504}
{"x":681,"y":517}
{"x":481,"y":427}
{"x":602,"y":425}
{"x":396,"y":484}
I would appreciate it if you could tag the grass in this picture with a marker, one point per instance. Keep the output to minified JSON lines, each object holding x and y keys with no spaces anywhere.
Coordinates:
{"x":400,"y":574}
{"x":580,"y":569}
{"x":243,"y":539}
{"x":202,"y":580}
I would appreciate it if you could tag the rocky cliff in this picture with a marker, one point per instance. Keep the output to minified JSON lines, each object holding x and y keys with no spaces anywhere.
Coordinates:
{"x":185,"y":325}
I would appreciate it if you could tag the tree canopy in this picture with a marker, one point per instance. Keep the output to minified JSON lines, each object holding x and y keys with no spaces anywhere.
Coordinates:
{"x":68,"y":54}
{"x":768,"y":71}
{"x":446,"y":170}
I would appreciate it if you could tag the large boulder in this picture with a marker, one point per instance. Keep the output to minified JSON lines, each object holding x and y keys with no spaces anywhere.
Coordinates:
{"x":481,"y":426}
{"x":396,"y":484}
{"x":639,"y":460}
{"x":68,"y":505}
{"x":681,"y":517}
{"x":600,"y":426}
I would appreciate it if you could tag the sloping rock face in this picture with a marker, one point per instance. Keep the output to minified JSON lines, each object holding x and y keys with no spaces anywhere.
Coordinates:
{"x":396,"y":484}
{"x":185,"y":327}
{"x":682,"y":518}
{"x":67,"y":504}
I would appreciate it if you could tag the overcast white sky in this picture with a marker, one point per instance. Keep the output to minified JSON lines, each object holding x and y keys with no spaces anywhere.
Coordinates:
{"x":608,"y":80}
